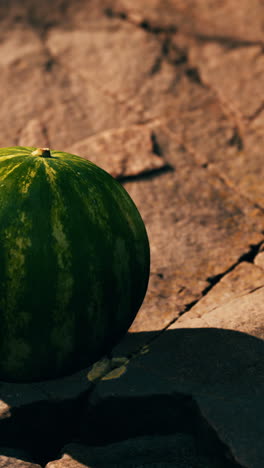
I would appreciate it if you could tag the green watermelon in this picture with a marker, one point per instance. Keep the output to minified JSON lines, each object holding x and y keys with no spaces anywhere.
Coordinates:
{"x":74,"y":263}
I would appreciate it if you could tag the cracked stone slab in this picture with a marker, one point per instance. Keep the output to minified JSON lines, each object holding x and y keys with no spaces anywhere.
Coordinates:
{"x":151,"y":451}
{"x":122,"y":152}
{"x":244,"y":314}
{"x":233,"y":288}
{"x":214,"y":377}
{"x":198,"y":228}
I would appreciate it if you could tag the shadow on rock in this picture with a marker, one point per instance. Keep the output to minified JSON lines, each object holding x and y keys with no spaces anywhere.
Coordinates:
{"x":208,"y":383}
{"x":197,"y":390}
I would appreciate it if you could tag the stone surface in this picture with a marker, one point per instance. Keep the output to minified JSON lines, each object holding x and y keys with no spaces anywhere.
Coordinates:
{"x":235,"y":303}
{"x":259,"y":260}
{"x":241,"y":88}
{"x":151,"y":451}
{"x":124,"y":152}
{"x":33,"y":134}
{"x":243,"y":314}
{"x":196,"y":232}
{"x":240,"y":93}
{"x":189,"y":380}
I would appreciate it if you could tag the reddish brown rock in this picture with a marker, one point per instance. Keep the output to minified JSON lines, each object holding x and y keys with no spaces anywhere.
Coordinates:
{"x":239,"y":283}
{"x":240,"y":89}
{"x":259,"y":260}
{"x":188,"y":214}
{"x":123,"y":152}
{"x":34,"y":134}
{"x":244,"y":314}
{"x":235,"y":303}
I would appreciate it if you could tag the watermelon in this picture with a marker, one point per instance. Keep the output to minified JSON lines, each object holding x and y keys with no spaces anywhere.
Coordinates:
{"x":74,"y":263}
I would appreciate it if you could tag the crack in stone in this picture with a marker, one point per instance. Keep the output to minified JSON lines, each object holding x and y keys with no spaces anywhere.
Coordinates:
{"x":194,"y":76}
{"x":248,"y":256}
{"x":226,"y":41}
{"x":257,"y":112}
{"x":141,"y":23}
{"x":165,"y":47}
{"x":133,"y":18}
{"x":156,"y":149}
{"x":191,"y":72}
{"x":237,"y":140}
{"x":251,"y":291}
{"x":213,"y":280}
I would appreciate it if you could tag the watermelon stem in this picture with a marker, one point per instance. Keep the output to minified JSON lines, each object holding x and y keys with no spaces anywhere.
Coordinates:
{"x":43,"y":152}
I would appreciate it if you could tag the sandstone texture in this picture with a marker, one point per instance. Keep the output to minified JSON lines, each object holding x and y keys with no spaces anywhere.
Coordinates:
{"x":167,"y":96}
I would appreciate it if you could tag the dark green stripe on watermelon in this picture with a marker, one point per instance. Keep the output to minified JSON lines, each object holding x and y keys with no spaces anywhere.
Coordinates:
{"x":74,"y":263}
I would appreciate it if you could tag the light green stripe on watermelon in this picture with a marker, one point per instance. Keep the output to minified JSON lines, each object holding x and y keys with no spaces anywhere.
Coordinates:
{"x":7,"y":171}
{"x":16,"y":242}
{"x":62,"y":321}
